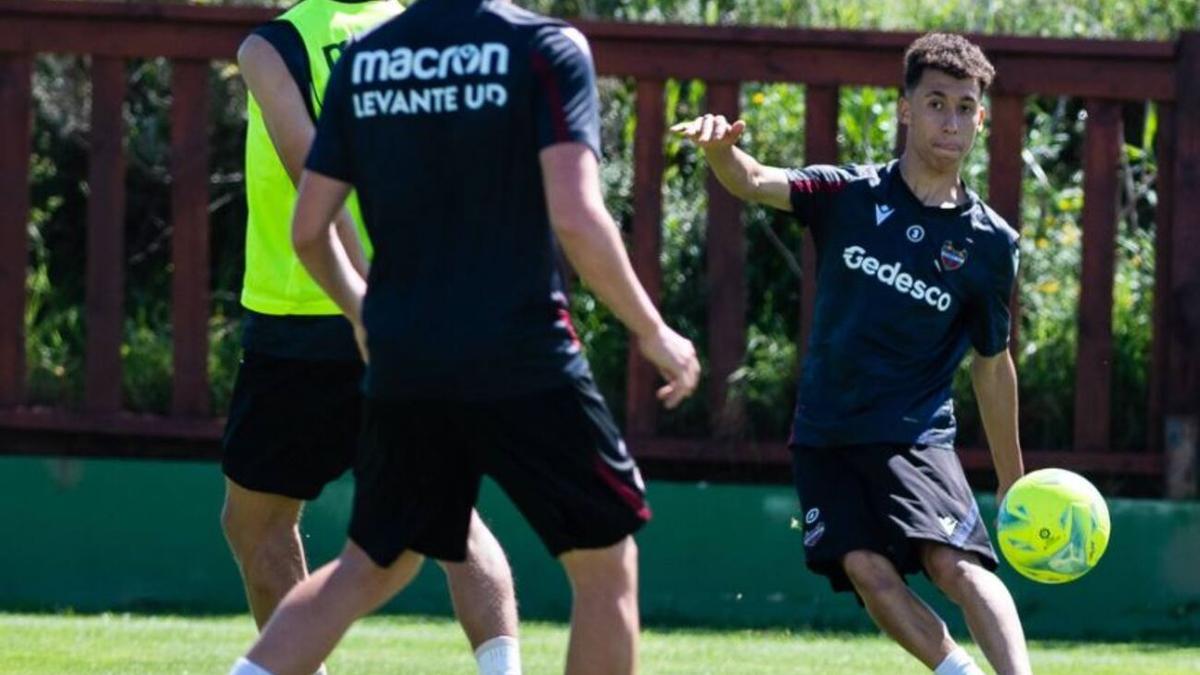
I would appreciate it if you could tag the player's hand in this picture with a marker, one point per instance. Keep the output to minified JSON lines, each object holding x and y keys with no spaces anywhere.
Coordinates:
{"x":711,"y":132}
{"x":360,"y":336}
{"x":675,"y":358}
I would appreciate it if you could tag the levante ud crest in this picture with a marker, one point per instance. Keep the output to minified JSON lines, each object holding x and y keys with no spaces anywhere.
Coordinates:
{"x":952,"y":258}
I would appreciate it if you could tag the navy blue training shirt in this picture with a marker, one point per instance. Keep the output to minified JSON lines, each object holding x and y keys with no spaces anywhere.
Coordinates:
{"x":903,"y":290}
{"x":437,"y":118}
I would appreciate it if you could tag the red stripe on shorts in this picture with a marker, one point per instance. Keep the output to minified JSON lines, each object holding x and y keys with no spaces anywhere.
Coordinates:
{"x":564,"y":316}
{"x":627,"y":494}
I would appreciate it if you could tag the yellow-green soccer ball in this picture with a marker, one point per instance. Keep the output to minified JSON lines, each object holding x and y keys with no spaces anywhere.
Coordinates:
{"x":1053,"y":526}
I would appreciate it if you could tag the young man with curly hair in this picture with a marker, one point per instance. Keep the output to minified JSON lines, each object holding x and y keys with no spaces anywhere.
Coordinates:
{"x":914,"y":270}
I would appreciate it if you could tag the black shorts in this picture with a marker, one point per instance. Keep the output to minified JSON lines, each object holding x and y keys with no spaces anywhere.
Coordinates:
{"x":887,"y":499}
{"x":293,"y":424}
{"x":556,"y":453}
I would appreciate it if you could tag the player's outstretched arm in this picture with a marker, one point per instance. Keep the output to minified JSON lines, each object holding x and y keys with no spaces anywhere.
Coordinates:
{"x":289,"y":126}
{"x":741,"y":174}
{"x":994,"y":379}
{"x":592,"y":243}
{"x":320,"y":251}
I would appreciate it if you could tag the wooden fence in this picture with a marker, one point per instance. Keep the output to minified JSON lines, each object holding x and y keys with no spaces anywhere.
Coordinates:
{"x":1106,"y":74}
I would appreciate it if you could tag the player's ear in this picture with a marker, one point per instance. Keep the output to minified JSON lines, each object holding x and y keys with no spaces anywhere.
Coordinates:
{"x":905,"y":109}
{"x":982,"y":115}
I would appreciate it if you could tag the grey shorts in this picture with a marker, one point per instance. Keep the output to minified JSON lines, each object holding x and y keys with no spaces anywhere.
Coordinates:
{"x":888,"y":499}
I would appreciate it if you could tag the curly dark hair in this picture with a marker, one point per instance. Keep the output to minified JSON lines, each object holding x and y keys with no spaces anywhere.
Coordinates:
{"x":949,"y":53}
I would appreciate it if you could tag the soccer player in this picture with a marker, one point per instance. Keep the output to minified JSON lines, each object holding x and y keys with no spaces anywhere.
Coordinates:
{"x":913,"y":270}
{"x":294,"y":421}
{"x":470,"y":130}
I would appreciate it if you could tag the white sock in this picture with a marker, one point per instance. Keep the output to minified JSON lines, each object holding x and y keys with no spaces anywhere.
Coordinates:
{"x":958,"y":662}
{"x":499,"y":656}
{"x":321,"y":670}
{"x":245,"y":666}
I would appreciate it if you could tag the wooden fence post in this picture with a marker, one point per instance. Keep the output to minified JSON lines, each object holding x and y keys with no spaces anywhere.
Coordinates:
{"x":1182,"y":404}
{"x":641,"y":405}
{"x":1004,"y":178}
{"x":189,"y":241}
{"x":16,"y":105}
{"x":820,"y":147}
{"x":1164,"y":215}
{"x":1093,"y":365}
{"x":105,"y":237}
{"x":725,"y":249}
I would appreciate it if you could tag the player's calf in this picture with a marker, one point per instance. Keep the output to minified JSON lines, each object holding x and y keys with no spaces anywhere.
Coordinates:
{"x":262,"y":534}
{"x":481,"y":589}
{"x":987,"y":606}
{"x":956,"y":573}
{"x":604,"y":613}
{"x":902,"y":615}
{"x":316,"y":613}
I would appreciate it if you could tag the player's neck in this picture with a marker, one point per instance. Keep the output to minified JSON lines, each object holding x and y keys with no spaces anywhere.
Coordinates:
{"x":932,"y":187}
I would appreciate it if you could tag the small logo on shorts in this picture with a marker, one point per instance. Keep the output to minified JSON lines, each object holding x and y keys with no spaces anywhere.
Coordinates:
{"x":622,"y":462}
{"x":811,"y":516}
{"x":814,"y":535}
{"x":949,"y":524}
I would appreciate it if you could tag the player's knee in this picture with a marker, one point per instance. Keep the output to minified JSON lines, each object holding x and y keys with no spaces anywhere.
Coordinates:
{"x":950,"y":570}
{"x":372,"y":584}
{"x":603,"y":574}
{"x":248,"y":516}
{"x":485,"y":557}
{"x":258,"y":540}
{"x":237,"y":528}
{"x":870,"y":573}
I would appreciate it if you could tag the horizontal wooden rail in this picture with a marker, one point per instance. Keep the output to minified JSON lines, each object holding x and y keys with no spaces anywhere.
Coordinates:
{"x":1112,"y":69}
{"x":667,"y":454}
{"x":39,"y":431}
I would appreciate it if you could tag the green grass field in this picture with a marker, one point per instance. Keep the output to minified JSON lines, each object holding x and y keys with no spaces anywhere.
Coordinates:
{"x":108,"y":643}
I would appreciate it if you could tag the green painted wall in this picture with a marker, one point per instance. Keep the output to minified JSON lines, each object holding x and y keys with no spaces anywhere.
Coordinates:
{"x":134,"y":535}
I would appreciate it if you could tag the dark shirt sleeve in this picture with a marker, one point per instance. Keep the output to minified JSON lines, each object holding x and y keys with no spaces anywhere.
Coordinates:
{"x":812,"y":189}
{"x":989,"y":322}
{"x":332,"y":149}
{"x":286,"y":40}
{"x":566,"y":104}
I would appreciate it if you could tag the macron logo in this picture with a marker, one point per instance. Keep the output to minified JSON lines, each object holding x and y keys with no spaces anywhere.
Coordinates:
{"x":882,"y":213}
{"x":428,"y":63}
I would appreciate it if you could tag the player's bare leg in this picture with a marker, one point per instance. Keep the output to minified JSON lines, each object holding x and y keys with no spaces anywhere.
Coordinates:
{"x":604,"y":614}
{"x":896,"y":609}
{"x":315,"y":614}
{"x":262,"y":532}
{"x":987,"y":606}
{"x":481,"y":588}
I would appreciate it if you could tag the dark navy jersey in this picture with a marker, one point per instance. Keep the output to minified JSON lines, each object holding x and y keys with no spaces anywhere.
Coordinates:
{"x":437,"y":118}
{"x":903,"y":291}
